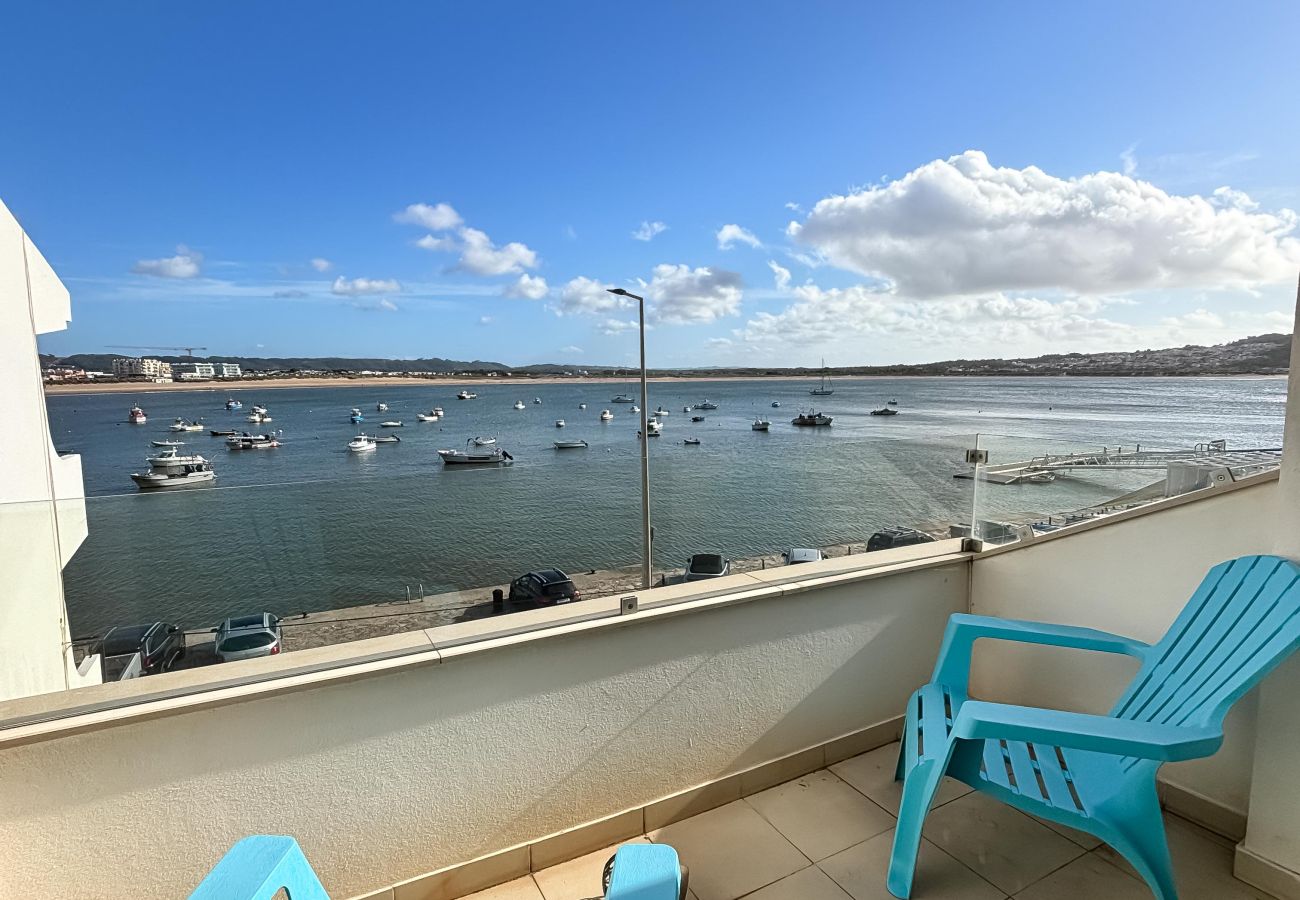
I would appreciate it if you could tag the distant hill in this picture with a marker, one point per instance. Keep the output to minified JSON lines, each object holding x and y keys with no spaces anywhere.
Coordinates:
{"x":1265,"y":354}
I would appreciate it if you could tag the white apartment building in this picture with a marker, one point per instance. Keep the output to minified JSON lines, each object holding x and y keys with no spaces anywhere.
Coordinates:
{"x":195,"y":371}
{"x":132,"y":367}
{"x":230,"y":370}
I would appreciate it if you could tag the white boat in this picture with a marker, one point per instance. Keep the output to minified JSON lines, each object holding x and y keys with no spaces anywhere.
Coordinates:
{"x":390,"y":424}
{"x":252,"y":442}
{"x":381,"y":407}
{"x":232,"y":403}
{"x":466,"y":395}
{"x":822,"y":390}
{"x":811,"y":419}
{"x":707,"y":404}
{"x":776,"y":404}
{"x":606,"y":415}
{"x":191,"y":475}
{"x":167,"y":443}
{"x":622,"y":398}
{"x":686,"y":409}
{"x":437,"y":411}
{"x":483,"y":441}
{"x":136,"y":416}
{"x":653,"y":428}
{"x":559,"y":423}
{"x":258,"y":418}
{"x":582,"y":406}
{"x":660,"y":411}
{"x":361,"y":443}
{"x":492,"y":457}
{"x":570,"y":445}
{"x":170,"y":459}
{"x":427,"y":417}
{"x":634,"y":409}
{"x":692,"y":442}
{"x":181,"y":425}
{"x":259,"y":409}
{"x":519,"y":404}
{"x":760,"y":424}
{"x":388,"y":439}
{"x":537,"y":401}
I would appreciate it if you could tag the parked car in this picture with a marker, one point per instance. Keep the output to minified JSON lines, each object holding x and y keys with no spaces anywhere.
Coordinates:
{"x":159,"y":644}
{"x":703,"y":566}
{"x":802,"y":555}
{"x":248,"y":637}
{"x":890,"y":538}
{"x":545,"y":587}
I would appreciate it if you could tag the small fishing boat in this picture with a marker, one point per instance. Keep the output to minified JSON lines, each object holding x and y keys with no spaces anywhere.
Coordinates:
{"x":232,"y":403}
{"x":381,"y":407}
{"x":390,"y":424}
{"x":606,"y":415}
{"x":559,"y":423}
{"x":884,"y":411}
{"x":519,"y":404}
{"x":760,"y":424}
{"x":427,"y":417}
{"x":686,"y":409}
{"x":388,"y":439}
{"x":660,"y":411}
{"x":582,"y":406}
{"x":537,"y":401}
{"x":493,"y":457}
{"x":466,"y":395}
{"x":167,"y":443}
{"x":248,"y":441}
{"x":136,"y":416}
{"x":811,"y":419}
{"x":776,"y":404}
{"x":697,"y":418}
{"x":654,"y":428}
{"x":186,"y":476}
{"x":261,"y":410}
{"x":483,"y":441}
{"x":361,"y":443}
{"x":258,"y":418}
{"x":622,"y":398}
{"x":891,"y":403}
{"x":222,"y":433}
{"x":170,"y":459}
{"x":437,"y":411}
{"x":634,"y":409}
{"x":570,"y":445}
{"x":692,"y":442}
{"x":706,"y":405}
{"x":182,"y":425}
{"x":355,"y":416}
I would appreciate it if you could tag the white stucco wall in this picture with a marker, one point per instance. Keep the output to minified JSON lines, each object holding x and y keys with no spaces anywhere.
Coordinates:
{"x":1132,"y":577}
{"x":42,"y":510}
{"x":396,"y":775}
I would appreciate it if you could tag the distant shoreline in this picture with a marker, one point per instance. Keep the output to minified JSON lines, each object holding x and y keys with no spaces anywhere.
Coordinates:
{"x":219,"y":387}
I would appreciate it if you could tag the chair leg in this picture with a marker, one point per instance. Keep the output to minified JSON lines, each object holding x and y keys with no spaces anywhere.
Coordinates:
{"x":918,"y":792}
{"x":1141,"y":840}
{"x":899,"y":768}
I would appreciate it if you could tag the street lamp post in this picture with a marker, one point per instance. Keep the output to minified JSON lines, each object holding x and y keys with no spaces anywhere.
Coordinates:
{"x":646,"y":546}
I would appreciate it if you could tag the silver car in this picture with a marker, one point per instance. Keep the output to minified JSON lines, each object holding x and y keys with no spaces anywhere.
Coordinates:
{"x":802,"y":555}
{"x":703,"y":566}
{"x":248,"y":637}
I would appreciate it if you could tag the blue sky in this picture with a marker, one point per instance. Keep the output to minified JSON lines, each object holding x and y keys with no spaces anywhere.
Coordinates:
{"x":903,"y":183}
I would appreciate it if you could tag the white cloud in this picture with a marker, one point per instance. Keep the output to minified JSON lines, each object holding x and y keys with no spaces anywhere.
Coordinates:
{"x":682,"y":295}
{"x":186,"y":263}
{"x":1227,"y":198}
{"x":648,"y":230}
{"x":485,"y":320}
{"x":961,"y":226}
{"x":288,"y":293}
{"x":570,"y":349}
{"x":793,"y":207}
{"x":728,"y":235}
{"x":614,"y":327}
{"x":353,"y":287}
{"x":1129,"y":158}
{"x":375,"y":305}
{"x":780,"y":274}
{"x":719,"y":342}
{"x":441,"y":217}
{"x":586,"y":295}
{"x":320,"y":264}
{"x":438,"y":244}
{"x":479,"y":256}
{"x":528,"y":287}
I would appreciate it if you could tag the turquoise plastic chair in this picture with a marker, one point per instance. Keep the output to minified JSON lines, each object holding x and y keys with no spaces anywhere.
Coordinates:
{"x":1098,"y":773}
{"x":257,"y":867}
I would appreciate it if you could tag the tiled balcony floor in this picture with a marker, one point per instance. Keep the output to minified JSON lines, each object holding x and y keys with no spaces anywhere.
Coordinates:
{"x":827,"y":836}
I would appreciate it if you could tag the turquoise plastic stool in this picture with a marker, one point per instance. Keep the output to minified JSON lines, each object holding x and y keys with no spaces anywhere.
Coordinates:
{"x":1098,"y":773}
{"x":259,"y":866}
{"x":646,"y":872}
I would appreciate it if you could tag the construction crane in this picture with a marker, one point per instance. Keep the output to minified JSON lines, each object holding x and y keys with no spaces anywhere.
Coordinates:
{"x":189,"y":351}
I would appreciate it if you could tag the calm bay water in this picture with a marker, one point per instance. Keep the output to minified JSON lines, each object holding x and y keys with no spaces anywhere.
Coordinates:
{"x":310,"y":526}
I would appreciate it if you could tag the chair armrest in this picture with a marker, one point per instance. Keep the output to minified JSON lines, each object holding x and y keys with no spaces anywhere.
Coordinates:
{"x":953,"y":666}
{"x":1081,"y":731}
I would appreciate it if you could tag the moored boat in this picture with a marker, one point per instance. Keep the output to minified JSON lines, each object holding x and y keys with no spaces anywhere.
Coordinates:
{"x":519,"y":404}
{"x":232,"y":403}
{"x":761,"y":424}
{"x":381,"y":407}
{"x":660,"y":411}
{"x":707,"y":404}
{"x":361,"y":443}
{"x":622,"y":398}
{"x":225,"y":432}
{"x":776,"y":404}
{"x":390,"y":424}
{"x":466,"y":395}
{"x":570,"y":445}
{"x":697,"y":418}
{"x":388,"y":439}
{"x":136,"y":416}
{"x":248,"y":441}
{"x":582,"y":406}
{"x":483,"y":441}
{"x":811,"y":419}
{"x":169,"y":459}
{"x":537,"y":401}
{"x":822,"y":390}
{"x":166,"y":443}
{"x":181,"y":425}
{"x":691,"y":442}
{"x":606,"y":415}
{"x":559,"y":423}
{"x":426,"y":417}
{"x":490,"y":457}
{"x":884,"y":411}
{"x":190,"y":475}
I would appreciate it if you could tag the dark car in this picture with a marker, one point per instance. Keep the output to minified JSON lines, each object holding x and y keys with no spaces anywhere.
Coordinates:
{"x":159,"y":644}
{"x":703,"y":566}
{"x":545,"y":587}
{"x":890,"y":538}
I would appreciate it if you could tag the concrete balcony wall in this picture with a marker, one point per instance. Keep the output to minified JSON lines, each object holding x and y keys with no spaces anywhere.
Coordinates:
{"x":482,"y":745}
{"x":1131,"y":576}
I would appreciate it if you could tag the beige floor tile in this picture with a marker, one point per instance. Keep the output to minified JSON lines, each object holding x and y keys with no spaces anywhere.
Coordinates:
{"x":820,"y":814}
{"x":578,"y":878}
{"x":1087,"y":878}
{"x":807,"y":884}
{"x":1202,"y":864}
{"x":730,"y":851}
{"x":873,"y":774}
{"x":1003,"y":845}
{"x":1082,"y":838}
{"x":519,"y":889}
{"x":862,"y":870}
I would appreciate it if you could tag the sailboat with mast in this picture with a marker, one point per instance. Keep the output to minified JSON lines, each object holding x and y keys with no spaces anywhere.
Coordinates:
{"x":822,"y":390}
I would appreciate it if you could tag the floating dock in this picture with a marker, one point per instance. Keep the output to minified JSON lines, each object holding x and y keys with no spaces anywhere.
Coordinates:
{"x":1203,"y":458}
